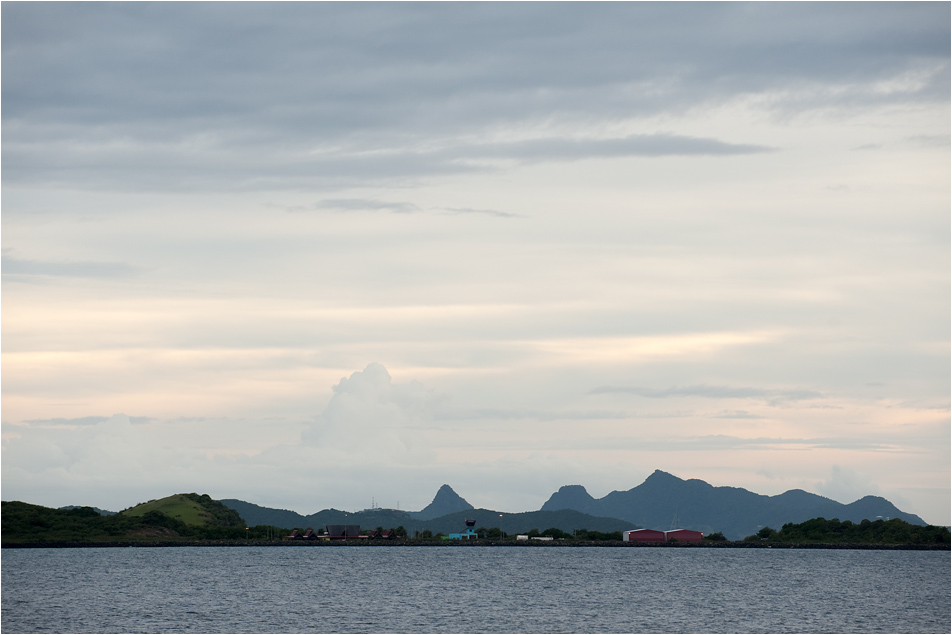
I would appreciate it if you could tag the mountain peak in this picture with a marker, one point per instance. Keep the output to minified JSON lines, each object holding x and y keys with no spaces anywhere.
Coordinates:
{"x":445,"y":502}
{"x":570,"y":497}
{"x":660,"y":477}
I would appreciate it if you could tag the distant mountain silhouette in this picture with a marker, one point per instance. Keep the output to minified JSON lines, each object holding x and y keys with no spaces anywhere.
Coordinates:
{"x":445,"y":502}
{"x":567,"y":520}
{"x":258,"y":515}
{"x":664,"y":500}
{"x":571,"y":497}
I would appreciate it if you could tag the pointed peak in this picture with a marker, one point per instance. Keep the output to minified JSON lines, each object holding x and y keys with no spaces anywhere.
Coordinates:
{"x":445,"y":502}
{"x":659,"y":475}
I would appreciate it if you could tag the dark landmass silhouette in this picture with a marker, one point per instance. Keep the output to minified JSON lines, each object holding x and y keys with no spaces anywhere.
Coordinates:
{"x":445,"y":502}
{"x":663,"y":501}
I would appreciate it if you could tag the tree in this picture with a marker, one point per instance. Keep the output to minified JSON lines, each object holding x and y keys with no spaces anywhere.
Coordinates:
{"x":494,"y":533}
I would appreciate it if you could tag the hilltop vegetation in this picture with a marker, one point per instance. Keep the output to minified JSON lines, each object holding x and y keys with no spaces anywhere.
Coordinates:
{"x":877,"y":532}
{"x":191,"y":509}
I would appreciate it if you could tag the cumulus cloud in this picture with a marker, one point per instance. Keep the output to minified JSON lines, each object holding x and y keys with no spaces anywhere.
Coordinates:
{"x":371,"y":418}
{"x":847,"y":485}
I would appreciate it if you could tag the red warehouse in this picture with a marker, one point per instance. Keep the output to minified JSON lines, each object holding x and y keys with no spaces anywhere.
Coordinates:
{"x":642,"y":535}
{"x":683,"y":535}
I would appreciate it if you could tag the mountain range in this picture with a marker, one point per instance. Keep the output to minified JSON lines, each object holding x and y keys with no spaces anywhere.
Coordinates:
{"x":663,"y":501}
{"x":447,"y":522}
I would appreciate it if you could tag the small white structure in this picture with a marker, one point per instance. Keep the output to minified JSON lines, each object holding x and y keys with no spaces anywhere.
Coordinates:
{"x":522,"y":537}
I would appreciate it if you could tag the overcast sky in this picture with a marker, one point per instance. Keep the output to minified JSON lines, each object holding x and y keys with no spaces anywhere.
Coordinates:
{"x":321,"y":255}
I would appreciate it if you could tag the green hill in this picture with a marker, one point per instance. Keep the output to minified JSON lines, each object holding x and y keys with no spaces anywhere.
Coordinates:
{"x":177,"y":517}
{"x":195,"y":510}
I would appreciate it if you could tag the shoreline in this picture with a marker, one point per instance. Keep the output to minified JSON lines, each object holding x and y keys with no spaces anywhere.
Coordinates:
{"x":466,"y":544}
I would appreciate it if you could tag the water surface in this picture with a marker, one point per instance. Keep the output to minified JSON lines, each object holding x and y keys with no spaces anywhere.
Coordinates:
{"x":474,"y":590}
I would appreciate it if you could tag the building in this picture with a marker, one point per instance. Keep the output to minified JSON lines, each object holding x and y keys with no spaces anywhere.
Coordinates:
{"x":642,"y":535}
{"x":683,"y":535}
{"x":468,"y":534}
{"x":652,"y":535}
{"x":343,"y":532}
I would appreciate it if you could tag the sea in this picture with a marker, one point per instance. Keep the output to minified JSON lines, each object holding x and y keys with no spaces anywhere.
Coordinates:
{"x":455,"y":589}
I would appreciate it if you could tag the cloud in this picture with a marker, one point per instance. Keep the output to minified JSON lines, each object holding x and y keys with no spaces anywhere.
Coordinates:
{"x":157,"y":165}
{"x":930,"y":141}
{"x":93,"y":452}
{"x":189,"y":97}
{"x":501,"y":414}
{"x":75,"y":421}
{"x":737,"y":414}
{"x":367,"y":205}
{"x":640,"y":145}
{"x":847,"y":485}
{"x":487,"y":212}
{"x":92,"y":420}
{"x":369,"y":418}
{"x":393,"y":207}
{"x":23,"y":270}
{"x":713,"y":392}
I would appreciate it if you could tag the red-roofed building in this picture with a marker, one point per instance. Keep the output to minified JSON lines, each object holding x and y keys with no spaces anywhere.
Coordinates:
{"x":642,"y":535}
{"x":683,"y":535}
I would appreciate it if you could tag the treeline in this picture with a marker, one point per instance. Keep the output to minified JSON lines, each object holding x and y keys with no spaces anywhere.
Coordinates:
{"x":867,"y":532}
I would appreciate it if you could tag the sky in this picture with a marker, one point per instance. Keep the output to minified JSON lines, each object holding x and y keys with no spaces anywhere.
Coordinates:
{"x":336,"y":255}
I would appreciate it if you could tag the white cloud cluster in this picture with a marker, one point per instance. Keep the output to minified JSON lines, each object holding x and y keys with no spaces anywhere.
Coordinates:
{"x":369,"y":419}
